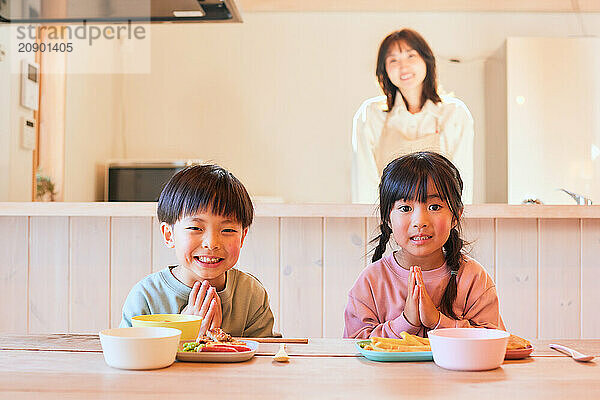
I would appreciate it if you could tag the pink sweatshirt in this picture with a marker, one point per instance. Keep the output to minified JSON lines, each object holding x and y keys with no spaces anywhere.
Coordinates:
{"x":376,"y":301}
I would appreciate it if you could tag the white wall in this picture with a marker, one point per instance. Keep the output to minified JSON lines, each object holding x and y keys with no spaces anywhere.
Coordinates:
{"x":4,"y":117}
{"x":554,"y":131}
{"x":93,"y":117}
{"x":273,"y":98}
{"x":496,"y":163}
{"x":16,"y":166}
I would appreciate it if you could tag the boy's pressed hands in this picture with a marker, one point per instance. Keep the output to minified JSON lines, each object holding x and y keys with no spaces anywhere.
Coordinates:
{"x":216,"y":312}
{"x":428,"y":313}
{"x":204,"y":302}
{"x":411,"y":305}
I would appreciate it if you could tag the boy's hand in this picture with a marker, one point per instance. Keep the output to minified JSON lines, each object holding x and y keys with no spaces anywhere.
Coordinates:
{"x":217,"y":312}
{"x":411,"y":305}
{"x":428,"y":313}
{"x":204,"y":302}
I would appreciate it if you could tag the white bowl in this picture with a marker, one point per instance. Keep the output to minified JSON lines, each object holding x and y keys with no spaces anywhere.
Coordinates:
{"x":468,"y":349}
{"x":140,"y":348}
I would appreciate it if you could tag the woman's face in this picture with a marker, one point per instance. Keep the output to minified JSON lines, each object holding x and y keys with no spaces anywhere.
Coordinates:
{"x":405,"y":67}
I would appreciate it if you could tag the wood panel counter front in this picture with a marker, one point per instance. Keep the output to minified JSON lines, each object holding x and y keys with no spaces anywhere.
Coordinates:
{"x":87,"y":256}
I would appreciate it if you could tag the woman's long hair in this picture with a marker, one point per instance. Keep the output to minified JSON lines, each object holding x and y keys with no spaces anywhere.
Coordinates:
{"x":418,"y":43}
{"x":406,"y":178}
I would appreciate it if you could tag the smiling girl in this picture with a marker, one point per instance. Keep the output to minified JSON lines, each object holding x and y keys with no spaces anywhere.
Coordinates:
{"x":429,"y":283}
{"x":411,"y":116}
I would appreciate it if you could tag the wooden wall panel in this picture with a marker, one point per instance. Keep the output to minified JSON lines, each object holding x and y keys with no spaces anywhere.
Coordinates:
{"x":480,"y":233}
{"x":13,"y":274}
{"x":260,"y":257}
{"x":560,"y":278}
{"x":546,"y":275}
{"x":89,"y":272}
{"x":301,"y":283}
{"x":516,"y":275}
{"x":590,"y":279}
{"x":130,"y":244}
{"x":162,"y":256}
{"x":344,"y":259}
{"x":49,"y":275}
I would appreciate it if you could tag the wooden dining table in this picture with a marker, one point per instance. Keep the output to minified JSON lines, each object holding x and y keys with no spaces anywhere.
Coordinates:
{"x":69,"y":366}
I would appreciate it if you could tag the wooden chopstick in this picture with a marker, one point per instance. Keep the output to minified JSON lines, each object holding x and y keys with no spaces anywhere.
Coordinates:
{"x":275,"y":340}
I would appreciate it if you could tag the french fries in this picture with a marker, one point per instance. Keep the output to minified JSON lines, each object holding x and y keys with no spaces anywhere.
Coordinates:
{"x":516,"y":342}
{"x":414,"y":340}
{"x":407,"y":343}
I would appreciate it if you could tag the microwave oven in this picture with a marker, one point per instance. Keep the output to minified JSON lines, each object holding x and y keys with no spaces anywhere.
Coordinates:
{"x":139,"y":180}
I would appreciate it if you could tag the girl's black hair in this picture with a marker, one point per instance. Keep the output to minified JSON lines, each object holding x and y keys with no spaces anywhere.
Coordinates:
{"x":204,"y":187}
{"x":406,"y":178}
{"x":418,"y":43}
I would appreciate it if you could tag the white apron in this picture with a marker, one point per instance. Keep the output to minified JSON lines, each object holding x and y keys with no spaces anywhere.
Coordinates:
{"x":393,"y":143}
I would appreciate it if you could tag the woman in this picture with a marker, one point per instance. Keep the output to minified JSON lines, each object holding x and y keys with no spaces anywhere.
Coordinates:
{"x":410,"y":117}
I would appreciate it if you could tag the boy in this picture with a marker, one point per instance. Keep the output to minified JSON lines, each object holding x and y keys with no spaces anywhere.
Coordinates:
{"x":205,"y":213}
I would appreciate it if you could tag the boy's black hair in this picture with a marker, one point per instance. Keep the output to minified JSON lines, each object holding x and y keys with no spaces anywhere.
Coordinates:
{"x":205,"y":187}
{"x":406,"y":178}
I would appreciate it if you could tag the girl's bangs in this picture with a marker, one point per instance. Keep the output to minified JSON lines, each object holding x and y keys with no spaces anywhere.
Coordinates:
{"x":413,"y":186}
{"x":410,"y":183}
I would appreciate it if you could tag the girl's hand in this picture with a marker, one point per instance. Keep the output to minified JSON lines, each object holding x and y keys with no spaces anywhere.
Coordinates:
{"x":411,"y":305}
{"x":428,"y":313}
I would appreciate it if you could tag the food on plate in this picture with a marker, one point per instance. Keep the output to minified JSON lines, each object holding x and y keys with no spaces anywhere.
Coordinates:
{"x":407,"y":343}
{"x":516,"y":342}
{"x":214,"y":347}
{"x":215,"y":340}
{"x":219,"y":335}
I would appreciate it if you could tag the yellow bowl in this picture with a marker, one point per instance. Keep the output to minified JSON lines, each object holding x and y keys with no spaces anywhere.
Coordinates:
{"x":189,"y":325}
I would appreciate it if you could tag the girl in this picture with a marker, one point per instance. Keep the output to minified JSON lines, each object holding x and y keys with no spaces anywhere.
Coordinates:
{"x":429,"y":283}
{"x":410,"y":117}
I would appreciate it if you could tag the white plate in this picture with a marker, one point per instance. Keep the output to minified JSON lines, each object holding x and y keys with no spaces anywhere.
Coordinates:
{"x":218,"y":357}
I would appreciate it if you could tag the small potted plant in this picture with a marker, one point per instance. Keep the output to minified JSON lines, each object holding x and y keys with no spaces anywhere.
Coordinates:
{"x":44,"y":188}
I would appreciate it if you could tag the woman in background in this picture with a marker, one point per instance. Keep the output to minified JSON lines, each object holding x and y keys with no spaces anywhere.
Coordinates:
{"x":411,"y":117}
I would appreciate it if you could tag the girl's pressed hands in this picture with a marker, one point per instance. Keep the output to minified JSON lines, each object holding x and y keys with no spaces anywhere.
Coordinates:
{"x":428,"y":313}
{"x":411,"y":306}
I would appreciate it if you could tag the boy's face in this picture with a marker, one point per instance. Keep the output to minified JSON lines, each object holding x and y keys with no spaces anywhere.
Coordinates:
{"x":206,"y":245}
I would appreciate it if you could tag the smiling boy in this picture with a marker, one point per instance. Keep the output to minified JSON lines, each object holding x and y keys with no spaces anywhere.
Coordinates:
{"x":205,"y":213}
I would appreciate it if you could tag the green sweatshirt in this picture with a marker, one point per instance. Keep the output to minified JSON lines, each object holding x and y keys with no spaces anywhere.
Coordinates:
{"x":244,"y":302}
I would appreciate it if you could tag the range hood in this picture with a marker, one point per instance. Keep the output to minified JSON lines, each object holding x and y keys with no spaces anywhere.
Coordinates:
{"x":77,"y":11}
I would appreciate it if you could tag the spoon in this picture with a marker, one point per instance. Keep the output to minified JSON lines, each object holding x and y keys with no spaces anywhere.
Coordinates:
{"x":281,"y":355}
{"x":577,"y":356}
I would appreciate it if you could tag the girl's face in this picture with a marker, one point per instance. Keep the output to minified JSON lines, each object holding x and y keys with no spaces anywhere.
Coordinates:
{"x":422,"y":229}
{"x":405,"y":67}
